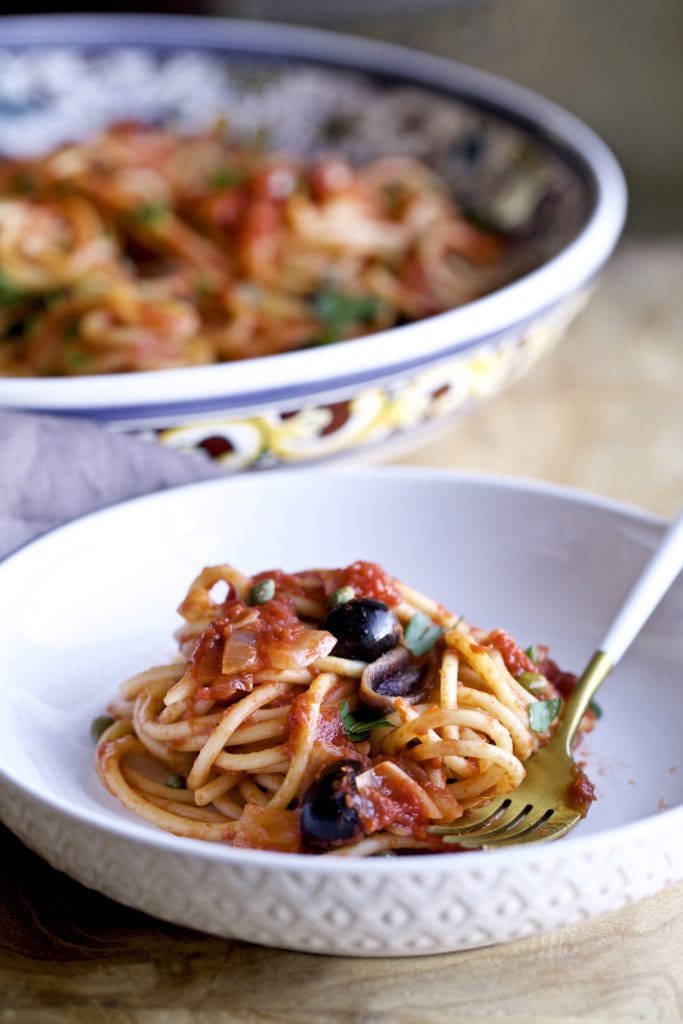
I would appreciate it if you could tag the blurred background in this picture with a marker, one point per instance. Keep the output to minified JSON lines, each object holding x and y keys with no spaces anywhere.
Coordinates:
{"x":603,"y":412}
{"x":615,"y":63}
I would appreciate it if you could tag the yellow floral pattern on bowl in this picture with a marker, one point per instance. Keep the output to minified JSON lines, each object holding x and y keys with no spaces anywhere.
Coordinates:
{"x":352,"y":423}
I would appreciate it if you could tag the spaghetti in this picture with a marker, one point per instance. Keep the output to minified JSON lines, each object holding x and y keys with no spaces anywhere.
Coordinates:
{"x":326,"y":711}
{"x":143,"y":248}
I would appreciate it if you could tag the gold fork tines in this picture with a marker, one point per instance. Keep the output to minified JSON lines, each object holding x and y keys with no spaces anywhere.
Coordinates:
{"x":541,"y":807}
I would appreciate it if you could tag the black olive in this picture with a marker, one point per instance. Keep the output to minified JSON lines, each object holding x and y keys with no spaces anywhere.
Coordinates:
{"x":364,"y":628}
{"x":328,"y":816}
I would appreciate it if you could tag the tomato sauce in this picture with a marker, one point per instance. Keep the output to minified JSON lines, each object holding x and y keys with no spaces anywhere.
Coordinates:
{"x":564,"y":682}
{"x":298,"y":718}
{"x":516,"y":660}
{"x":275,"y":625}
{"x":369,"y":580}
{"x":330,"y":729}
{"x":394,"y":804}
{"x":329,"y":732}
{"x":225,"y":207}
{"x":303,"y":584}
{"x":206,"y":668}
{"x":581,"y":791}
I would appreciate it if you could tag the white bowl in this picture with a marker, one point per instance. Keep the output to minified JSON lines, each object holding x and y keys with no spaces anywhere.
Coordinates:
{"x":494,"y":142}
{"x":89,"y":604}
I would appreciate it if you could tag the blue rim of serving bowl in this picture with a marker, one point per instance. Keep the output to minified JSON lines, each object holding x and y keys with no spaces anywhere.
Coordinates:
{"x":301,"y":374}
{"x":277,"y":396}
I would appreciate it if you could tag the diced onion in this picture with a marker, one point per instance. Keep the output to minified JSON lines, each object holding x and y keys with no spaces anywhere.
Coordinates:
{"x":239,"y":653}
{"x":313,"y":643}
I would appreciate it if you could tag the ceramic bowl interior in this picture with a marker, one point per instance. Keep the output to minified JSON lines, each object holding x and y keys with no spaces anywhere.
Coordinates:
{"x":90,"y":604}
{"x":511,"y":159}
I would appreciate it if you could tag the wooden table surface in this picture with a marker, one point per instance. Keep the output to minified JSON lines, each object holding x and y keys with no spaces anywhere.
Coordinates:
{"x":604,"y":412}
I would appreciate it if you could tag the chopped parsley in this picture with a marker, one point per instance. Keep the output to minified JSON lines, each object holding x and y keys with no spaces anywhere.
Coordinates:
{"x":9,"y":292}
{"x":339,"y":311}
{"x":205,"y":290}
{"x":76,"y":359}
{"x":542,"y":714}
{"x":421,"y":634}
{"x":226,"y":177}
{"x":151,"y":214}
{"x":358,"y":729}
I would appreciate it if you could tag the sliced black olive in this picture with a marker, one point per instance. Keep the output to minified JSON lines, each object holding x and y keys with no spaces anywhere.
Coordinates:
{"x":328,"y":815}
{"x":364,"y":629}
{"x":392,"y":676}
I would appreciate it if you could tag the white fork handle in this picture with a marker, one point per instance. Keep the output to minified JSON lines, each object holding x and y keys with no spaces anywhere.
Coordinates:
{"x":659,"y":573}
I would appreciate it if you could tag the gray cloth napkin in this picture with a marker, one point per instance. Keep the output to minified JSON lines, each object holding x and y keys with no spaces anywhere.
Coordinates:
{"x":53,"y":470}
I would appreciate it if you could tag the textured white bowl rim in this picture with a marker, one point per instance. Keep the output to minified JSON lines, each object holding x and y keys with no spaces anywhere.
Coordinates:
{"x":298,"y":373}
{"x":571,"y":846}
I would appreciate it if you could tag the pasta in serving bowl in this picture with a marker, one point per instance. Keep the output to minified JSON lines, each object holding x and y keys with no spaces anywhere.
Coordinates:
{"x":92,"y":604}
{"x":153,"y":248}
{"x":344,"y":242}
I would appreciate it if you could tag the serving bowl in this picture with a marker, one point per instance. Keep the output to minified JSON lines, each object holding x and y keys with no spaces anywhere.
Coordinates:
{"x":93,"y":602}
{"x":510,"y":158}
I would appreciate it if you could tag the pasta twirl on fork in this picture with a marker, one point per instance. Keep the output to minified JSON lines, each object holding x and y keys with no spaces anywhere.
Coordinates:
{"x":326,"y":711}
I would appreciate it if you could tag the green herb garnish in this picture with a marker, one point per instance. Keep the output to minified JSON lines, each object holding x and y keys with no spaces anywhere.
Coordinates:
{"x":99,"y":725}
{"x":339,"y":311}
{"x":262,"y":591}
{"x":542,"y":714}
{"x":205,"y":290}
{"x":71,"y":330}
{"x":358,"y":729}
{"x":76,"y":359}
{"x":226,"y":177}
{"x":595,"y":708}
{"x":533,"y":653}
{"x":174,"y":782}
{"x":9,"y":292}
{"x":53,"y":298}
{"x":151,"y":214}
{"x":421,"y":634}
{"x":342,"y":596}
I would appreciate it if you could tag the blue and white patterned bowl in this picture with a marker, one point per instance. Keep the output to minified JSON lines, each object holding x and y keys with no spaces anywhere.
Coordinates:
{"x":507,"y":154}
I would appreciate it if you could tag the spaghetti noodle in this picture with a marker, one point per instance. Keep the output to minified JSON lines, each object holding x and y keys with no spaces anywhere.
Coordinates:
{"x":325,"y":711}
{"x":144,"y":248}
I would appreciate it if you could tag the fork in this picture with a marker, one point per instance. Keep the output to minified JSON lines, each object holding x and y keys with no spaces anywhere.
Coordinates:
{"x":542,"y":807}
